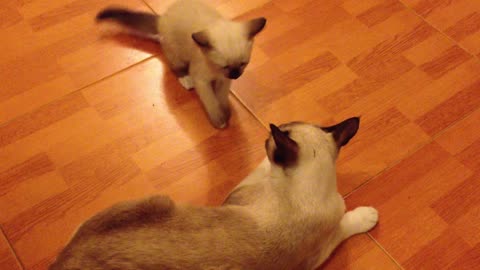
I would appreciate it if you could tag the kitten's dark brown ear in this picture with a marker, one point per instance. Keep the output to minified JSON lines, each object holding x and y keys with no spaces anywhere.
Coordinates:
{"x":201,"y":38}
{"x":286,"y":150}
{"x":255,"y":26}
{"x":344,"y":131}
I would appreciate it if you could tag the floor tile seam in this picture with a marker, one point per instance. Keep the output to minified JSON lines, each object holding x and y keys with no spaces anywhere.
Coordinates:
{"x":384,"y":250}
{"x":96,"y":81}
{"x":432,"y":139}
{"x":149,"y":7}
{"x":439,"y":30}
{"x":375,"y":176}
{"x":445,"y":129}
{"x":249,"y":110}
{"x":81,"y":88}
{"x":12,"y":250}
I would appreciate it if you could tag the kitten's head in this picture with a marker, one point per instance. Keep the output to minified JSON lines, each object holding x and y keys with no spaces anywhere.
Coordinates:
{"x":228,"y":44}
{"x":298,"y":143}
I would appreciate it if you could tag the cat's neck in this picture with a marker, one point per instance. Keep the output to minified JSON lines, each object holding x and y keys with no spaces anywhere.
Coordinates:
{"x":314,"y":178}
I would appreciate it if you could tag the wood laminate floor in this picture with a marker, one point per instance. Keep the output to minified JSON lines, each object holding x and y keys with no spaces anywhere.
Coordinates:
{"x":89,"y":119}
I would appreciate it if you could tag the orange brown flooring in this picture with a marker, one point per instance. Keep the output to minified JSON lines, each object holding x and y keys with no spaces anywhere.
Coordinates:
{"x":87,"y":120}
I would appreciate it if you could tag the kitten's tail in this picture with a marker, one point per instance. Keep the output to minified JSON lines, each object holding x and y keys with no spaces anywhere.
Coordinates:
{"x":142,"y":22}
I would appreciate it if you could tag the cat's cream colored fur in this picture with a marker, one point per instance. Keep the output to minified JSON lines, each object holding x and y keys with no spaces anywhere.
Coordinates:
{"x":287,"y":214}
{"x":204,"y":49}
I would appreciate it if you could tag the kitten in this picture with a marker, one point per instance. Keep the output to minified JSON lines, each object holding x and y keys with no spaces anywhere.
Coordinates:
{"x":204,"y":50}
{"x":287,"y":214}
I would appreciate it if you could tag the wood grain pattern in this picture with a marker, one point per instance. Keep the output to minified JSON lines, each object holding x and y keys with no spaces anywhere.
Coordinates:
{"x":465,"y":27}
{"x":47,"y":43}
{"x":459,"y":19}
{"x":7,"y":256}
{"x":33,"y":167}
{"x":88,"y":119}
{"x":451,"y":110}
{"x":43,"y":117}
{"x":358,"y":253}
{"x":448,"y":60}
{"x":380,"y":12}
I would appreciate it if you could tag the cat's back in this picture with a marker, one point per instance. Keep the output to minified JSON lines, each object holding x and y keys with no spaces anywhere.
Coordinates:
{"x":88,"y":244}
{"x":156,"y":234}
{"x":188,"y":15}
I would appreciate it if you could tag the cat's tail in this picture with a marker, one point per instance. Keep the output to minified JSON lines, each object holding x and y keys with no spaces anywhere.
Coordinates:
{"x":141,"y":22}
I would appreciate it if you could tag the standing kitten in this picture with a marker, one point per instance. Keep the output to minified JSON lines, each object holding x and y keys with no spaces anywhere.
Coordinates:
{"x":287,"y":214}
{"x":204,"y":50}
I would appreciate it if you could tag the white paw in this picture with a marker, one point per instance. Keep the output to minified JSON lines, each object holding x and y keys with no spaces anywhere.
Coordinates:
{"x":363,"y":219}
{"x":186,"y":82}
{"x":218,"y":119}
{"x":223,"y":125}
{"x":219,"y":122}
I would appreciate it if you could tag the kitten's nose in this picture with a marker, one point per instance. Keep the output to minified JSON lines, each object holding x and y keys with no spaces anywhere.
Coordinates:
{"x":234,"y":73}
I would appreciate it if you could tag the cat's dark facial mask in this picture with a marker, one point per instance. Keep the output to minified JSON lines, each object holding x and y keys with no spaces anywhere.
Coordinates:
{"x":295,"y":143}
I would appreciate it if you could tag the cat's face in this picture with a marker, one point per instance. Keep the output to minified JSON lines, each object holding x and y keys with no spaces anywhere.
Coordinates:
{"x":228,"y":45}
{"x":295,"y":143}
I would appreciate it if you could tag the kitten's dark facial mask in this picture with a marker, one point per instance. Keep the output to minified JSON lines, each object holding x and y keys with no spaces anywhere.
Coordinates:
{"x":231,"y":59}
{"x":234,"y":71}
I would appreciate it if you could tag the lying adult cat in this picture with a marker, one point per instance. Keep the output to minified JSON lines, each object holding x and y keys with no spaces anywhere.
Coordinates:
{"x":287,"y":214}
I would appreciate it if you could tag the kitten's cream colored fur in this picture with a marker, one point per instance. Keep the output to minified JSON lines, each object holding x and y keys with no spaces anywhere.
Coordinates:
{"x":204,"y":49}
{"x":287,"y":214}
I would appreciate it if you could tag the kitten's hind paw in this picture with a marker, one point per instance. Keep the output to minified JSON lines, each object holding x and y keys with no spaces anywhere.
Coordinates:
{"x":186,"y":82}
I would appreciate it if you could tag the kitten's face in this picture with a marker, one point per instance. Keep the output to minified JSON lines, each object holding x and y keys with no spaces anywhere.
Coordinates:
{"x":231,"y":60}
{"x":295,"y":143}
{"x":228,"y":45}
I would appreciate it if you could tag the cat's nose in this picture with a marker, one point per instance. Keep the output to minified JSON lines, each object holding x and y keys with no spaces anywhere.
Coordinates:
{"x":234,"y":73}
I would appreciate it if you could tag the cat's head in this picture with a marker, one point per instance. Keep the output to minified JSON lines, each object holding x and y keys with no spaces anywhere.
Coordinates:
{"x":227,"y":45}
{"x":293,"y":144}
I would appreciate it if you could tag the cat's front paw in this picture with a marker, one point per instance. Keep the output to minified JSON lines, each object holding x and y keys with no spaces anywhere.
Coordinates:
{"x":363,"y":219}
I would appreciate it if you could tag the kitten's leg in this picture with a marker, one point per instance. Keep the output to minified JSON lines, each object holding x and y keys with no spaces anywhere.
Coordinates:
{"x":210,"y":102}
{"x":181,"y":71}
{"x":360,"y":220}
{"x":180,"y":68}
{"x":222,"y":91}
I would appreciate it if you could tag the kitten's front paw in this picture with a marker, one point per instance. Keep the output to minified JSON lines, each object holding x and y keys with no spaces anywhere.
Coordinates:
{"x":219,"y":120}
{"x":186,"y":82}
{"x":227,"y":111}
{"x":364,"y":219}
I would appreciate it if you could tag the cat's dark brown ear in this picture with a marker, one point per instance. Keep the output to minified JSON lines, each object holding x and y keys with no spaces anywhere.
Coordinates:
{"x":344,"y":131}
{"x":201,"y":38}
{"x":255,"y":26}
{"x":286,"y":150}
